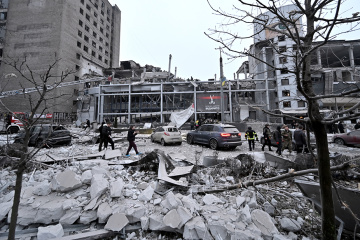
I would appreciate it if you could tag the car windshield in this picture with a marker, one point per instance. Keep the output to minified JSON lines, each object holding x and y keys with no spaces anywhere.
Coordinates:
{"x":230,"y":129}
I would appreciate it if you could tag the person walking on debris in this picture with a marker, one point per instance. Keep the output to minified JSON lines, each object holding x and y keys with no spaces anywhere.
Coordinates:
{"x":278,"y":139}
{"x":106,"y":131}
{"x":300,"y":140}
{"x":267,"y":137}
{"x":101,"y":138}
{"x":250,"y":135}
{"x":131,"y":138}
{"x":287,"y":139}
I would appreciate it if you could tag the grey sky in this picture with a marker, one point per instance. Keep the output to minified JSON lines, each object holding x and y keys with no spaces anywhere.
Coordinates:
{"x":151,"y":30}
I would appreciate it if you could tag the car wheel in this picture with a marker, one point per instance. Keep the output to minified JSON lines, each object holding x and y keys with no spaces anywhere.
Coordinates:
{"x":213,"y":144}
{"x":163,"y":142}
{"x":190,"y":139}
{"x":12,"y":130}
{"x":152,"y":139}
{"x":339,"y":141}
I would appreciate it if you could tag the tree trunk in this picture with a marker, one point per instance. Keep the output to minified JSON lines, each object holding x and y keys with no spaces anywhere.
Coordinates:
{"x":16,"y":202}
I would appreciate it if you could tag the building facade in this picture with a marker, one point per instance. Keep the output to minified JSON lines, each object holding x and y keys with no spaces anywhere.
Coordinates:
{"x":83,"y":36}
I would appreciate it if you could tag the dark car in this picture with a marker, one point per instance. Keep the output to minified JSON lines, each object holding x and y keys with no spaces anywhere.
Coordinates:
{"x":46,"y":135}
{"x":350,"y":138}
{"x":273,"y":142}
{"x":216,"y":136}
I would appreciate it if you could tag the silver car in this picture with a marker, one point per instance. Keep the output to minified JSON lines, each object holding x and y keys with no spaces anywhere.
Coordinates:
{"x":166,"y":135}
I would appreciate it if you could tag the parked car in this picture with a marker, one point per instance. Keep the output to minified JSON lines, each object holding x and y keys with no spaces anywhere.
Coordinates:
{"x":216,"y":136}
{"x":350,"y":138}
{"x":273,"y":142}
{"x":166,"y":135}
{"x":45,"y":135}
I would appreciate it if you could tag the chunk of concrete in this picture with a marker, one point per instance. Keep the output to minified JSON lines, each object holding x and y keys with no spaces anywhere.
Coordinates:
{"x":70,"y":216}
{"x":104,"y":211}
{"x":147,"y":194}
{"x":87,"y":217}
{"x":4,"y":209}
{"x":66,"y":181}
{"x":116,"y":188}
{"x":172,"y":219}
{"x":156,"y":222}
{"x":109,"y":154}
{"x":280,"y":237}
{"x":50,"y":212}
{"x":196,"y":229}
{"x":250,"y":198}
{"x":50,"y":232}
{"x":26,"y":215}
{"x":243,"y":235}
{"x":269,"y":208}
{"x":239,"y":201}
{"x":86,"y":177}
{"x":144,"y":223}
{"x":264,"y":223}
{"x":245,"y":215}
{"x":184,"y":214}
{"x":209,"y":199}
{"x":218,"y":229}
{"x":290,"y":225}
{"x":134,"y":214}
{"x":42,"y":189}
{"x":70,"y":203}
{"x":171,"y":201}
{"x":116,"y":222}
{"x":190,"y":203}
{"x":98,"y":185}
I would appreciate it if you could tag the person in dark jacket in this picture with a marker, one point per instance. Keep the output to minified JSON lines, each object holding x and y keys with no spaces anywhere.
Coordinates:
{"x":250,"y":135}
{"x":278,"y":139}
{"x":267,"y":137}
{"x":357,"y":125}
{"x":101,"y":138}
{"x":131,"y":138}
{"x":300,"y":140}
{"x":106,"y":131}
{"x":341,"y":127}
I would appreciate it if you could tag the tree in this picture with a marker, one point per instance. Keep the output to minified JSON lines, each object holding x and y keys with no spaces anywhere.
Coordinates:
{"x":44,"y":83}
{"x":309,"y":25}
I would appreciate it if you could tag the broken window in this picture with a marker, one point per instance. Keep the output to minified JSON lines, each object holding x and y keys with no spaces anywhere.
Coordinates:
{"x":101,"y":30}
{"x":106,"y":53}
{"x":95,"y":23}
{"x":77,"y":67}
{"x":94,"y":34}
{"x":86,"y":38}
{"x":93,"y":53}
{"x":87,"y":28}
{"x":88,"y":7}
{"x":102,"y":4}
{"x":79,"y":44}
{"x":82,"y":1}
{"x":107,"y":35}
{"x":100,"y":48}
{"x":108,"y":19}
{"x":101,"y":21}
{"x":101,"y":39}
{"x":287,"y":104}
{"x":81,"y":11}
{"x":86,"y":49}
{"x":282,"y":49}
{"x":282,"y":60}
{"x":286,"y":93}
{"x":95,"y":14}
{"x":301,"y":103}
{"x":281,"y":38}
{"x":106,"y":61}
{"x":94,"y":44}
{"x":79,"y":33}
{"x":87,"y":17}
{"x":80,"y":23}
{"x":78,"y":56}
{"x":100,"y":57}
{"x":284,"y":71}
{"x":102,"y":12}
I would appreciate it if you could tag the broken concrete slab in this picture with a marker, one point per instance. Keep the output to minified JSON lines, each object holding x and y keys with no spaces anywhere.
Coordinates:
{"x":42,"y":188}
{"x":179,"y":171}
{"x":250,"y":198}
{"x":116,"y":222}
{"x":144,"y":223}
{"x":50,"y":232}
{"x":99,"y":185}
{"x":196,"y":229}
{"x":88,"y":216}
{"x":135,"y":213}
{"x":104,"y":211}
{"x":172,"y":219}
{"x":50,"y":212}
{"x":66,"y":181}
{"x":190,"y":203}
{"x":86,"y":177}
{"x":156,"y":223}
{"x":162,"y":174}
{"x":269,"y":208}
{"x":147,"y":194}
{"x":171,"y":201}
{"x":177,"y":157}
{"x":116,"y":188}
{"x":239,"y":201}
{"x":110,"y":154}
{"x":184,"y":214}
{"x":70,"y":216}
{"x":245,"y":215}
{"x":210,"y":199}
{"x":70,"y":203}
{"x":218,"y":229}
{"x":264,"y":223}
{"x":4,"y":209}
{"x":290,"y":225}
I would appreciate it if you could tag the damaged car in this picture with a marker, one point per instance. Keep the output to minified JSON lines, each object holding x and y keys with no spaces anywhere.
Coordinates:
{"x":216,"y":136}
{"x":350,"y":138}
{"x":45,"y":135}
{"x":166,"y":135}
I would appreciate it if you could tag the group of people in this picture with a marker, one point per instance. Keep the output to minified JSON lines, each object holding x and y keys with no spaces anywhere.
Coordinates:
{"x":105,"y":138}
{"x":282,"y":136}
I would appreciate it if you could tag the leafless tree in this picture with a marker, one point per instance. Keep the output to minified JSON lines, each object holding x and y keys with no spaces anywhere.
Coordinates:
{"x":40,"y":100}
{"x":310,"y":26}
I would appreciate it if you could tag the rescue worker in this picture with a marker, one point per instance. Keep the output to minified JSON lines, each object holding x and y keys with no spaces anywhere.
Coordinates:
{"x":267,"y":137}
{"x":251,"y":135}
{"x":300,"y":140}
{"x":287,"y":139}
{"x":106,"y":131}
{"x":278,"y":140}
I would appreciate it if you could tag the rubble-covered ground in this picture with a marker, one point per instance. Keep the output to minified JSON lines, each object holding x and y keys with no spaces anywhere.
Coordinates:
{"x":74,"y":190}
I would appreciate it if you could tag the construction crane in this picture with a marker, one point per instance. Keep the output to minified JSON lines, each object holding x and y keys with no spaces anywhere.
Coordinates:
{"x":49,"y":87}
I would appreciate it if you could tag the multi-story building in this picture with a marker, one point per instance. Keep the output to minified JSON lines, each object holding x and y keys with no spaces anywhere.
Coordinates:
{"x":83,"y":35}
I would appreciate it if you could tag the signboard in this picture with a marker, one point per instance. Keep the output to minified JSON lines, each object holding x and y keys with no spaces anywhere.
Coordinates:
{"x":210,"y":102}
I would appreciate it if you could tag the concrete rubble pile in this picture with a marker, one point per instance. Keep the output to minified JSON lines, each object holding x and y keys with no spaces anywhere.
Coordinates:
{"x":94,"y":191}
